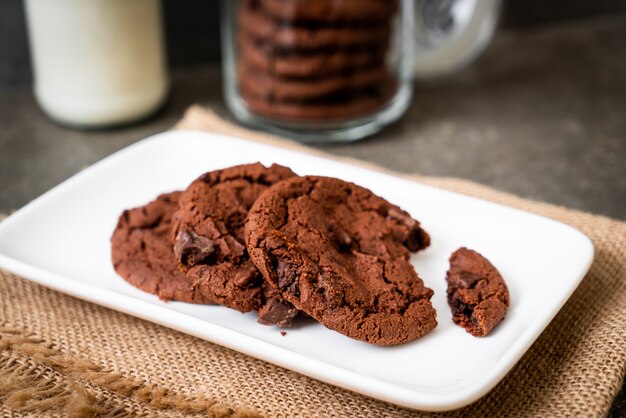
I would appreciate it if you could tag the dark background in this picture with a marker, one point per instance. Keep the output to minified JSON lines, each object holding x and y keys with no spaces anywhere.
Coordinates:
{"x":192,"y":29}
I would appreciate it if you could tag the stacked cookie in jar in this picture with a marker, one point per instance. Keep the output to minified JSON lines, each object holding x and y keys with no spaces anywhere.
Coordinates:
{"x":321,"y":70}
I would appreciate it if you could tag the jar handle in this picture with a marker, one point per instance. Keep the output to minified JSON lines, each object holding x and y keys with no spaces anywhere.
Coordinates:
{"x":449,"y":34}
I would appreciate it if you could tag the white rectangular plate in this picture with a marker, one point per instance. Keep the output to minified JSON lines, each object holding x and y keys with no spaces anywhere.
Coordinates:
{"x":61,"y":240}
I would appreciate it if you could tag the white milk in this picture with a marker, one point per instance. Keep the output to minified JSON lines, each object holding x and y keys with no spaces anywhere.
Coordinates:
{"x":97,"y":62}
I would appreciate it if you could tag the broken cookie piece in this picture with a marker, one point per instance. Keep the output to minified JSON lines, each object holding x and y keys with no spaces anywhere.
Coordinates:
{"x":477,"y":294}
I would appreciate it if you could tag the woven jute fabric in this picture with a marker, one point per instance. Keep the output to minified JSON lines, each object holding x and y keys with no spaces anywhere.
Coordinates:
{"x":60,"y":356}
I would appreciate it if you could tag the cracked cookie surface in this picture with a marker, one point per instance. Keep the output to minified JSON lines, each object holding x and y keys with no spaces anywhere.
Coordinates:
{"x":341,"y":254}
{"x":208,"y":240}
{"x":141,"y":251}
{"x":477,"y":293}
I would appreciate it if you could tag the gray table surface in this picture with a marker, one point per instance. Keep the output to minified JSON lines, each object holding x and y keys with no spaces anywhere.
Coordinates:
{"x":541,"y":114}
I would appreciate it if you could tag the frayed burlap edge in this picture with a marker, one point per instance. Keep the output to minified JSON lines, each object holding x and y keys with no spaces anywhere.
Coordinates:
{"x":34,"y":376}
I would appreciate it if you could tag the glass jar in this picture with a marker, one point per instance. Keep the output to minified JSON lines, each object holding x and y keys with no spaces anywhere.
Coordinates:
{"x":328,"y":70}
{"x":339,"y":70}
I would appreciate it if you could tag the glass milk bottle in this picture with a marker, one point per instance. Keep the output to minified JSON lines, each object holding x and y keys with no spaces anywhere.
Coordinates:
{"x":97,"y":63}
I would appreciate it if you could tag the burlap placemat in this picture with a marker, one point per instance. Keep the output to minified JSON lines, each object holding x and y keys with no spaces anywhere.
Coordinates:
{"x":64,"y":357}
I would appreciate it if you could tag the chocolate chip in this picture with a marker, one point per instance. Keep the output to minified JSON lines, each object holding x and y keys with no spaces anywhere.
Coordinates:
{"x":458,"y":307}
{"x":247,"y":277}
{"x":192,"y":249}
{"x":286,"y":275}
{"x":340,"y":237}
{"x":416,"y":240}
{"x":277,"y":312}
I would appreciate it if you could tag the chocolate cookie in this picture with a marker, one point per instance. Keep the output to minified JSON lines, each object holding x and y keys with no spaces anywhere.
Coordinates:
{"x":208,"y":233}
{"x":355,"y":105}
{"x":330,"y":10}
{"x":270,"y":87}
{"x":293,"y":64}
{"x":256,"y":25}
{"x":341,"y":254}
{"x":477,"y":294}
{"x":141,"y":251}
